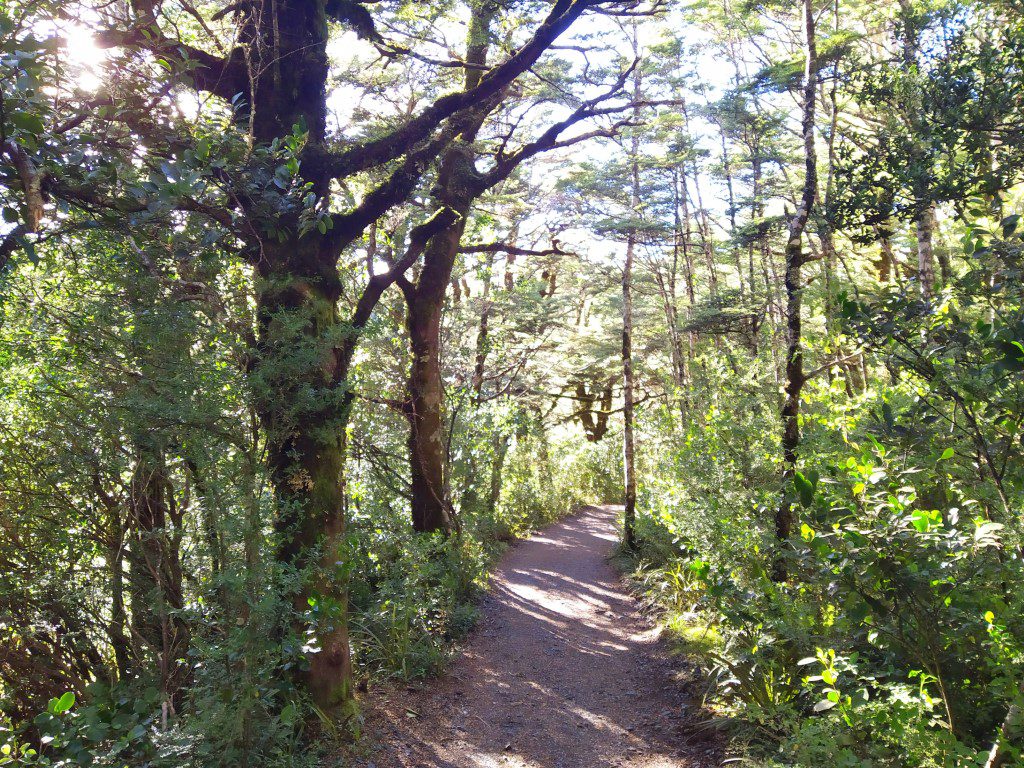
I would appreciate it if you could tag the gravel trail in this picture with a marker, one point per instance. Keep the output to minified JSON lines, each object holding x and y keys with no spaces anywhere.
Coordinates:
{"x":562,"y":672}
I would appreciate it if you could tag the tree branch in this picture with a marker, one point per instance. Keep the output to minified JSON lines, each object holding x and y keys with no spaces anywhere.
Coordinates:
{"x":515,"y":250}
{"x":369,"y":154}
{"x":223,"y":77}
{"x":418,"y":238}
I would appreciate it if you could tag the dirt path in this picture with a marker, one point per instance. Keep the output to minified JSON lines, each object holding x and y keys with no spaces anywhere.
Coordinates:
{"x":562,"y":672}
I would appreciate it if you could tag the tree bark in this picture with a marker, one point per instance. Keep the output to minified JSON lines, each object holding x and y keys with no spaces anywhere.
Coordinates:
{"x":1011,"y":735}
{"x":482,"y":335}
{"x":886,"y":258}
{"x":924,"y":225}
{"x":667,"y":288}
{"x":423,"y":408}
{"x":701,"y":218}
{"x":296,"y":374}
{"x":730,"y":187}
{"x":784,"y":516}
{"x":628,"y":438}
{"x":499,"y":448}
{"x":304,"y":415}
{"x":688,"y":266}
{"x":921,"y":182}
{"x":117,"y":628}
{"x":155,"y":573}
{"x":457,"y":189}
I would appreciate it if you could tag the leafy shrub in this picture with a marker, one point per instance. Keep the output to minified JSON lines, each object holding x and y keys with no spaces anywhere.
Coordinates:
{"x":897,"y":640}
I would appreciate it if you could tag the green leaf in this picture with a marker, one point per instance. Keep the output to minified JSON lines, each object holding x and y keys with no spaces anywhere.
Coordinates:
{"x":804,"y":488}
{"x":29,"y":247}
{"x":1009,"y":224}
{"x":64,"y":703}
{"x":887,"y":415}
{"x":27,"y":121}
{"x":986,"y":534}
{"x":289,"y":714}
{"x":946,"y":454}
{"x":924,"y":520}
{"x":1013,"y":355}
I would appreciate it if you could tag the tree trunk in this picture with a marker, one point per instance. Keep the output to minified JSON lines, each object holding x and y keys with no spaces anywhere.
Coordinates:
{"x":155,"y":574}
{"x":756,"y":211}
{"x":730,"y":187}
{"x":667,"y":287}
{"x":304,"y":414}
{"x":918,"y":161}
{"x":924,"y":224}
{"x":298,"y":369}
{"x":688,"y":267}
{"x":886,"y":258}
{"x":1011,"y":734}
{"x":425,"y":395}
{"x":483,"y":331}
{"x":499,"y":448}
{"x":425,"y":302}
{"x":701,"y":217}
{"x":118,"y":626}
{"x":628,"y":446}
{"x":212,"y":532}
{"x":784,"y":516}
{"x":706,"y":238}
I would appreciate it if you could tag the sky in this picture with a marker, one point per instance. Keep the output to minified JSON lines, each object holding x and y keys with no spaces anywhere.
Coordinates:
{"x":85,"y":63}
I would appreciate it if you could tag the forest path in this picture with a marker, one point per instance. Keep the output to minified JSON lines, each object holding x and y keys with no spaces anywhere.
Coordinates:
{"x":561,"y":672}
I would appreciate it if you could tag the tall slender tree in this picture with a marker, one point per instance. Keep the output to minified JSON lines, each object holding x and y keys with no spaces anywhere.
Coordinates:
{"x":795,"y":259}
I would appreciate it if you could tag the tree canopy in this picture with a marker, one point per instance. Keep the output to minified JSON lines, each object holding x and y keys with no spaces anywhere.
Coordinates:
{"x":309,"y":307}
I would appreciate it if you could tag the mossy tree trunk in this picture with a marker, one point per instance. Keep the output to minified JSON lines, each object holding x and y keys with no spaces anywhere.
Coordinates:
{"x":274,"y":72}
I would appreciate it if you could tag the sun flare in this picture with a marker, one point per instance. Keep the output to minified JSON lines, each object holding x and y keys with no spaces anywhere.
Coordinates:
{"x":82,"y":57}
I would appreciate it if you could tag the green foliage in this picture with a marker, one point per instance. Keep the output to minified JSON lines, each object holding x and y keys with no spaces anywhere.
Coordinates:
{"x":178,"y":316}
{"x":896,"y":639}
{"x":412,"y":599}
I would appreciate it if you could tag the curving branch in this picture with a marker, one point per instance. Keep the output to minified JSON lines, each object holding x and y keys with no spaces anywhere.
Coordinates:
{"x":394,"y":190}
{"x":31,"y":183}
{"x":370,"y":297}
{"x":555,"y":250}
{"x":224,"y":77}
{"x":506,"y":163}
{"x":370,"y":154}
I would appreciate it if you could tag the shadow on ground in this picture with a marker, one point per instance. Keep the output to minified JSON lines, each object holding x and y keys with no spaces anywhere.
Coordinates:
{"x":562,"y":672}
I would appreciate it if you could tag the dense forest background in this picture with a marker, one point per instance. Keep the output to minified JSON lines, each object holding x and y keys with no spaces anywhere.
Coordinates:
{"x":309,"y":307}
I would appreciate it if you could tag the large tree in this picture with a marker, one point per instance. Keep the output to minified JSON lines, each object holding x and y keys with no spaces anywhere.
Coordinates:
{"x":266,"y":184}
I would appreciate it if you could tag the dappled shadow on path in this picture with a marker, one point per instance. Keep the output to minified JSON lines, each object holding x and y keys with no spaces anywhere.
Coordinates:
{"x":561,"y":673}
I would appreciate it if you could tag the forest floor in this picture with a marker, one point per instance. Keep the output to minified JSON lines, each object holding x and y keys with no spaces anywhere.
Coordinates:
{"x":563,"y":671}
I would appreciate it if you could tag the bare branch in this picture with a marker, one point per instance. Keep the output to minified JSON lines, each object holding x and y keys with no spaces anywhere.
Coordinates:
{"x":555,"y":250}
{"x":373,"y":153}
{"x":31,"y":184}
